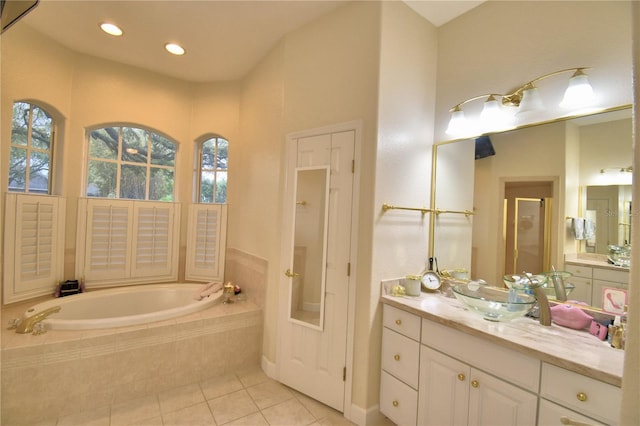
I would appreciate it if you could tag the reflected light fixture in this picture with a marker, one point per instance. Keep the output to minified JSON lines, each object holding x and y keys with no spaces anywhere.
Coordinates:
{"x":174,"y":49}
{"x":111,"y":29}
{"x":499,"y":115}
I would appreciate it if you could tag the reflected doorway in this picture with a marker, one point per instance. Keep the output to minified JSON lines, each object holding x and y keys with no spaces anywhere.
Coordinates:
{"x":527,"y":226}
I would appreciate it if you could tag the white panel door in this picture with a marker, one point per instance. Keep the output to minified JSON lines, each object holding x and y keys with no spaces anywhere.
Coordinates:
{"x":312,"y":359}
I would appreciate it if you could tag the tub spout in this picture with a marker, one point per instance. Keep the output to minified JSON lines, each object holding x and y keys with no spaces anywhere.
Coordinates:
{"x":27,"y":324}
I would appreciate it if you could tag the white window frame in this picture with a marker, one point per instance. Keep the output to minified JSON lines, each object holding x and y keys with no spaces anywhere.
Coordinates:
{"x":215,"y":170}
{"x":206,"y":242}
{"x":124,"y":246}
{"x":42,"y":235}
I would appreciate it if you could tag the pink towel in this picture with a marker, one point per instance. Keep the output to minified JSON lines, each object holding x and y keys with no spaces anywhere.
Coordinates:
{"x":207,"y":290}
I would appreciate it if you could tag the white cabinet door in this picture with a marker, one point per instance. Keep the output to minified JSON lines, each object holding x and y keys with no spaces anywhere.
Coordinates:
{"x":444,"y":389}
{"x":494,"y":402}
{"x":582,"y":290}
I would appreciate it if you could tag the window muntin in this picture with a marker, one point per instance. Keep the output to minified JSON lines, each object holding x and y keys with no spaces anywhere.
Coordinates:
{"x":212,"y":177}
{"x":32,"y":131}
{"x":130,"y":162}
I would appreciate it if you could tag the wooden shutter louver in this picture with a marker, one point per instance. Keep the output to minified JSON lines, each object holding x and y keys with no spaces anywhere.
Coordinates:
{"x":36,"y":248}
{"x":109,"y":231}
{"x":33,"y":245}
{"x":206,"y":242}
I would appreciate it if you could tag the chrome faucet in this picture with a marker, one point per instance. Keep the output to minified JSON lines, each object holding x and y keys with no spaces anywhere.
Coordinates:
{"x":26,"y":325}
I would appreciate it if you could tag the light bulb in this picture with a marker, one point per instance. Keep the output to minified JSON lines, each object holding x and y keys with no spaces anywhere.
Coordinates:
{"x":494,"y":117}
{"x":531,"y":100}
{"x":458,"y":123}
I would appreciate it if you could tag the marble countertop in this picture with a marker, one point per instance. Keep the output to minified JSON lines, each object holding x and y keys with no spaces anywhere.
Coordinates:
{"x":598,"y":261}
{"x":574,"y":350}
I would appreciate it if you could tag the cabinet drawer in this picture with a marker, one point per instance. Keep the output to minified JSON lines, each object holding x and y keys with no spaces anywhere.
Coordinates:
{"x":398,"y":401}
{"x":402,"y":322}
{"x":505,"y":363}
{"x":550,"y":414}
{"x":400,"y":357}
{"x":611,"y":275}
{"x":580,"y":393}
{"x":579,"y":270}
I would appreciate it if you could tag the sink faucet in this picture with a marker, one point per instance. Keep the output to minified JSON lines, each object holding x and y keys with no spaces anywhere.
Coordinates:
{"x":558,"y":285}
{"x":26,"y":325}
{"x":544,"y":310}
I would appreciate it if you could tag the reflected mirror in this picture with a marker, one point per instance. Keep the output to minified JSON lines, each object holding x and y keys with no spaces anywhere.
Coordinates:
{"x":309,"y":246}
{"x":575,"y":168}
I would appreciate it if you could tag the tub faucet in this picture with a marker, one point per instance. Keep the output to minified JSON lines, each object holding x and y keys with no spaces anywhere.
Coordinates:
{"x":26,"y":325}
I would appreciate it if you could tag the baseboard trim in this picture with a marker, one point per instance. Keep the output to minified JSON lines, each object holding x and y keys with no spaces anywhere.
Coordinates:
{"x":269,"y":368}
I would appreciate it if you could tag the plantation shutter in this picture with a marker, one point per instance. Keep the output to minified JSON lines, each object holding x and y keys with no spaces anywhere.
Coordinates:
{"x":34,"y":245}
{"x":128,"y":242}
{"x":108,"y":231}
{"x":206,"y":240}
{"x":153,"y":242}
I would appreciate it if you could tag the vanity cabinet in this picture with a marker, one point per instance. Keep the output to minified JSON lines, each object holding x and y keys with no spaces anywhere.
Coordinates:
{"x":454,"y":393}
{"x":400,"y":363}
{"x":564,"y":393}
{"x":590,"y":280}
{"x":434,"y":374}
{"x":582,"y":278}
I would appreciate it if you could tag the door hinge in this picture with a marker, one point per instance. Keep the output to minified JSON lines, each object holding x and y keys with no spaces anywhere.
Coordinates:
{"x":344,"y":374}
{"x":353,"y":166}
{"x":349,"y":269}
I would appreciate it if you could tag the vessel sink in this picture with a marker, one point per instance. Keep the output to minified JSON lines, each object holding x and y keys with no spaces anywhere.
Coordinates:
{"x":493,"y":303}
{"x":522,"y":283}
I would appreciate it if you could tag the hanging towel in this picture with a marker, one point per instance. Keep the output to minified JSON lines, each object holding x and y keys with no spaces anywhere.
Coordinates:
{"x":577,"y":226}
{"x":590,"y":232}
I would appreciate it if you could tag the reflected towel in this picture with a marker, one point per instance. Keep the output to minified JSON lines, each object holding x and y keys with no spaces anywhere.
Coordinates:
{"x":207,"y":290}
{"x":577,"y":226}
{"x":590,"y":231}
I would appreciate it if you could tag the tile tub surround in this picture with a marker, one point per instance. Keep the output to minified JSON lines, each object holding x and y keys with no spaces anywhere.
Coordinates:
{"x":574,"y":350}
{"x":59,"y":372}
{"x":249,"y":272}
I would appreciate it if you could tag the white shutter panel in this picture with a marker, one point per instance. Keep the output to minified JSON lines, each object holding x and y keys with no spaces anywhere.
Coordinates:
{"x":34,"y":245}
{"x":108,"y":246}
{"x":153,"y":243}
{"x":206,"y":242}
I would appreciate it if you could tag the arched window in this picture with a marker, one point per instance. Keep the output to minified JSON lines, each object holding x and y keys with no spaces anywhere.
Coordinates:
{"x":130,"y":162}
{"x":212,"y":177}
{"x":32,"y":134}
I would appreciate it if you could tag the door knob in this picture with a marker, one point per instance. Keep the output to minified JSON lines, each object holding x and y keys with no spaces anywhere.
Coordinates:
{"x":290,"y":274}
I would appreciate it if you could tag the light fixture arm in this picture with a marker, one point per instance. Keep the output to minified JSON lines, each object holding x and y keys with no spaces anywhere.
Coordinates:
{"x":514,"y":98}
{"x":489,"y":96}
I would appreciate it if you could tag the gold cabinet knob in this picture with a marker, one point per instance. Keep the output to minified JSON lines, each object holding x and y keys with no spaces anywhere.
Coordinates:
{"x":461,"y":377}
{"x":395,"y":403}
{"x":475,"y":383}
{"x":396,"y":357}
{"x":398,"y":322}
{"x":581,"y":396}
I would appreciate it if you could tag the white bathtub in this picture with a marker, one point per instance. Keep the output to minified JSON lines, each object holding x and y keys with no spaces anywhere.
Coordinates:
{"x":124,"y":306}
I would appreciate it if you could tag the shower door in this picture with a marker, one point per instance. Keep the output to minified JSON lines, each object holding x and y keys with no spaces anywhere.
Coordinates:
{"x":316,"y":253}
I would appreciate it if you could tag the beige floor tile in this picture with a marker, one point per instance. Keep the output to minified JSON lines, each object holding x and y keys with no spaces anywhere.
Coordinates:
{"x":318,"y":409}
{"x":196,"y":415}
{"x":153,"y":421}
{"x":98,"y":417}
{"x":336,"y":419}
{"x":255,"y":419}
{"x":269,"y":393}
{"x":219,"y":386}
{"x":232,"y":407}
{"x":288,"y":413}
{"x":185,"y":396}
{"x":252,"y":376}
{"x":135,"y":411}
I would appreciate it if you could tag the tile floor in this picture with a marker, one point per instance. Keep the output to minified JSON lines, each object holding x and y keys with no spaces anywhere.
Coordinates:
{"x":245,"y":398}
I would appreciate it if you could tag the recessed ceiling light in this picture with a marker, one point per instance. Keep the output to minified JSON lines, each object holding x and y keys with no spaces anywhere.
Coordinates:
{"x":174,"y":49}
{"x":111,"y":29}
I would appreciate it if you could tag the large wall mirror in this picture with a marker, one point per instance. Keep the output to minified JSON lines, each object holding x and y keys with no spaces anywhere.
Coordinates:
{"x":309,"y":246}
{"x":526,"y":191}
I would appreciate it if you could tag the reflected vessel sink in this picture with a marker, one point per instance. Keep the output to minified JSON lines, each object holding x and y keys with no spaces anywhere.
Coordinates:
{"x":493,"y":303}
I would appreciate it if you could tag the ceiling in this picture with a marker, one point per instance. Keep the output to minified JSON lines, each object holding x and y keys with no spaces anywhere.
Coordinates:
{"x":223,"y":39}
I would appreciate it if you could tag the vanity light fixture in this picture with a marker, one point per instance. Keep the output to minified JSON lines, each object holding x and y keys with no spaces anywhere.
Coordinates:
{"x":111,"y":29}
{"x":174,"y":49}
{"x":618,"y":169}
{"x":499,"y":116}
